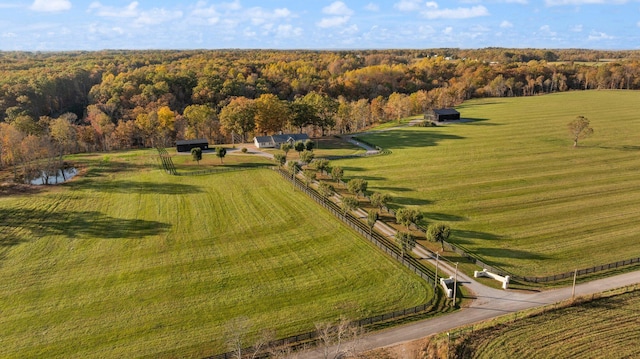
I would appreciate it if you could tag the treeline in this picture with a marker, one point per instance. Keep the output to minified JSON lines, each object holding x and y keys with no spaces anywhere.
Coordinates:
{"x":123,"y":99}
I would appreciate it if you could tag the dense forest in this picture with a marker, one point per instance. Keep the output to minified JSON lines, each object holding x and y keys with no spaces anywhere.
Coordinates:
{"x":57,"y":103}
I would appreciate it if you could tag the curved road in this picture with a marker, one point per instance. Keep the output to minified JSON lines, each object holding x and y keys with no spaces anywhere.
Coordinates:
{"x":488,"y":303}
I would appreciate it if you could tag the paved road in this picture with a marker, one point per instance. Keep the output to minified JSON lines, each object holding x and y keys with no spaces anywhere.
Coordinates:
{"x":488,"y":303}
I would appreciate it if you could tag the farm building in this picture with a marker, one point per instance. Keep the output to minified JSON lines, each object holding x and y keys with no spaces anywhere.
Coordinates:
{"x":187,"y":145}
{"x":443,"y":114}
{"x":276,"y":141}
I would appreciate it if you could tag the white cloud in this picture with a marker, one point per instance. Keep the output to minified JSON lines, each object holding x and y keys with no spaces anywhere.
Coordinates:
{"x":333,"y":21}
{"x":583,"y":2}
{"x":156,"y":16}
{"x":342,"y":15}
{"x":447,"y":30}
{"x":50,"y":5}
{"x":434,"y":12}
{"x":577,"y":28}
{"x":130,"y":10}
{"x":506,"y":24}
{"x":597,"y":36}
{"x":259,"y":16}
{"x":141,"y":17}
{"x":546,"y":30}
{"x":8,"y":35}
{"x":337,"y":8}
{"x":288,"y":31}
{"x":408,"y":5}
{"x":372,"y":7}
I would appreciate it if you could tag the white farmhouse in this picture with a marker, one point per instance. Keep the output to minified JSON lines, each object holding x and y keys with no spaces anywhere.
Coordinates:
{"x":276,"y":141}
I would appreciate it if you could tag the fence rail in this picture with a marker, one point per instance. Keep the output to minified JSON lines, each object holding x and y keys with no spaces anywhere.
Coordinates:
{"x":502,"y":272}
{"x":168,"y":166}
{"x":374,"y":237}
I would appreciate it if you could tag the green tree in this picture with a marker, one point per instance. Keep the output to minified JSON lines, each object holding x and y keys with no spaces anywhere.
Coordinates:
{"x":406,"y":216}
{"x":372,"y":218}
{"x":337,"y":173}
{"x":438,"y":232}
{"x":293,"y":167}
{"x":348,"y":204}
{"x":308,"y":145}
{"x":280,"y":159}
{"x":302,"y":114}
{"x":271,"y":114}
{"x":239,"y":116}
{"x":325,"y":107}
{"x":380,"y":200}
{"x":321,"y":165}
{"x":299,"y":147}
{"x":307,"y":156}
{"x":197,"y":117}
{"x":579,"y":129}
{"x":221,"y":152}
{"x":405,"y":242}
{"x":196,"y":154}
{"x":326,"y":190}
{"x":309,"y":176}
{"x":286,"y":147}
{"x":63,"y":133}
{"x":357,"y":186}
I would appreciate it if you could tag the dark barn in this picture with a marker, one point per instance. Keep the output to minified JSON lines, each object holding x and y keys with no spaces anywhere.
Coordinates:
{"x":187,"y":145}
{"x":445,"y":114}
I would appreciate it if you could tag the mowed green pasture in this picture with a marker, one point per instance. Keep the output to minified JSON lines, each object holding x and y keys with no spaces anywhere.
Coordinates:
{"x":126,"y":261}
{"x":603,"y":328}
{"x":510,"y":184}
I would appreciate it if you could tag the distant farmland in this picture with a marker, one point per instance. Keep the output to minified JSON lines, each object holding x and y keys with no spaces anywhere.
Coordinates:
{"x":512,"y":187}
{"x":126,"y":261}
{"x":603,"y":328}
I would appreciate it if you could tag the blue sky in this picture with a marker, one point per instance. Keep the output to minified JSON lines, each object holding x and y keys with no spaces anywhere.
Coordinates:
{"x":297,"y":24}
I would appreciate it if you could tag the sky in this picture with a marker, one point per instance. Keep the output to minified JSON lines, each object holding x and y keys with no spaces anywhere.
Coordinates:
{"x":64,"y":25}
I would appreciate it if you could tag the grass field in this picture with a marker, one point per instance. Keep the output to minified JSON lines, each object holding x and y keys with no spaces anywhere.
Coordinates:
{"x":603,"y":328}
{"x":125,"y":261}
{"x":512,"y":187}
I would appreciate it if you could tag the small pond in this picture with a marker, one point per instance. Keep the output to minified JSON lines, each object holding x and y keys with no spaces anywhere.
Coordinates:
{"x":61,"y":177}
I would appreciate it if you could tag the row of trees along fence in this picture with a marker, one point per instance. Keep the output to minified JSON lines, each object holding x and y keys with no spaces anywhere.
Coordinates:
{"x":381,"y":242}
{"x":530,"y":279}
{"x":493,"y":269}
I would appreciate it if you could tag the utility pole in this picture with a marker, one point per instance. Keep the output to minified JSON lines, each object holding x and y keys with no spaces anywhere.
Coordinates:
{"x":455,"y":285}
{"x":435,"y":281}
{"x":573,"y":290}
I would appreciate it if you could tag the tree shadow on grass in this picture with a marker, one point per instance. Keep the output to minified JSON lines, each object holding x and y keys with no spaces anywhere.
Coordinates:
{"x":464,"y":234}
{"x":410,"y":201}
{"x":405,"y":139}
{"x":508,"y":253}
{"x":114,"y":167}
{"x":443,"y":217}
{"x":478,"y":122}
{"x":126,"y":187}
{"x":394,"y":189}
{"x":625,"y":148}
{"x":22,"y":225}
